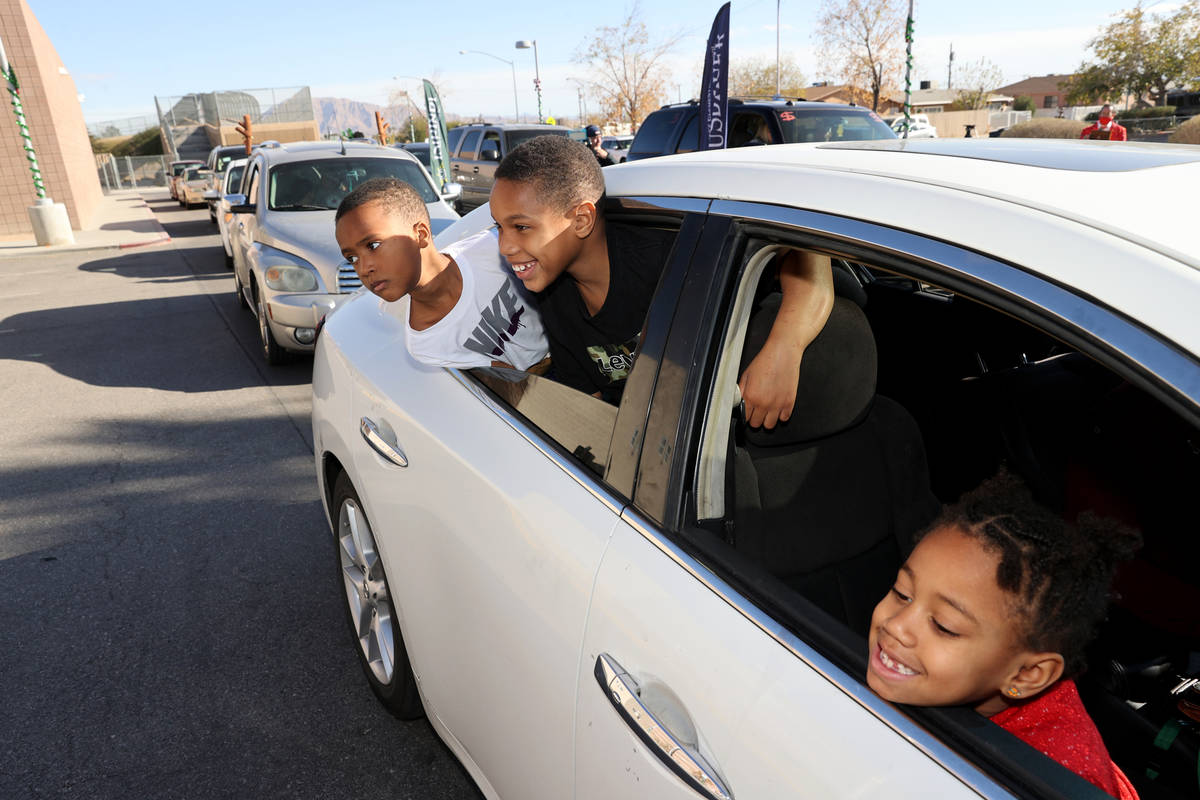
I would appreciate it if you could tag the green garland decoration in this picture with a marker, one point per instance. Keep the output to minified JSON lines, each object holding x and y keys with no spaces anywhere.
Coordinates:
{"x":14,"y":89}
{"x":908,"y":39}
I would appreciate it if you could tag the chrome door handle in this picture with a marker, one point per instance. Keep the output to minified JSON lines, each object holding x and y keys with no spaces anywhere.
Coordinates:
{"x":370,"y":432}
{"x":623,"y":692}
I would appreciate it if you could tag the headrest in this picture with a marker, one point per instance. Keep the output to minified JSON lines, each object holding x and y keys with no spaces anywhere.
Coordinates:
{"x":837,"y":374}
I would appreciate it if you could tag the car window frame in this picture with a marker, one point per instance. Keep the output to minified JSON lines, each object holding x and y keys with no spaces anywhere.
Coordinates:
{"x":678,"y":416}
{"x":616,"y":484}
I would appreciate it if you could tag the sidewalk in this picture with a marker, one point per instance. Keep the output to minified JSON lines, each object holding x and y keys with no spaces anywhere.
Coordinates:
{"x":123,"y":220}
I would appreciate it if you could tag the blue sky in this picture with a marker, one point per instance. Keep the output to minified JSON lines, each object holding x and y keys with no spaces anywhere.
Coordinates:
{"x":123,"y":54}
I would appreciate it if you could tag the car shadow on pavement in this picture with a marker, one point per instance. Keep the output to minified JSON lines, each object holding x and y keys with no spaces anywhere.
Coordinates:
{"x":176,"y":344}
{"x":157,"y":266}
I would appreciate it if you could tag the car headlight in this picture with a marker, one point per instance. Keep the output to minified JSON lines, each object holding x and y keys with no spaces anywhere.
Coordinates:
{"x":290,"y":279}
{"x":285,"y":272}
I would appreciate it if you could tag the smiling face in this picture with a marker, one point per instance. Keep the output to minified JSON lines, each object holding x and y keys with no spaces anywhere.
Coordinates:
{"x":383,"y":248}
{"x":539,"y":241}
{"x":946,"y":633}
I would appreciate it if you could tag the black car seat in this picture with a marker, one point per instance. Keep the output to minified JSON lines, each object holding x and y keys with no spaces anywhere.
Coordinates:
{"x":829,"y":501}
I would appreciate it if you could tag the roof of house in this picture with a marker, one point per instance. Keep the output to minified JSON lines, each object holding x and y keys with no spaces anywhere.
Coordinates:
{"x":1041,"y":84}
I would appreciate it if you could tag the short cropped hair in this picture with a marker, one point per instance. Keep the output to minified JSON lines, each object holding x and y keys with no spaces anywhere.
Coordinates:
{"x":396,"y":196}
{"x":564,"y":172}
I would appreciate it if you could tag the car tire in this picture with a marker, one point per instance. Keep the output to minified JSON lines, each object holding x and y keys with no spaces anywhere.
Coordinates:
{"x":239,"y":291}
{"x":272,"y":352}
{"x":369,"y":609}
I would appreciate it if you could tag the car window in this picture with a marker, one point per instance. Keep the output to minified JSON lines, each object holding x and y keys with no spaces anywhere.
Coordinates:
{"x":656,"y":130}
{"x":251,"y":191}
{"x":831,"y":126}
{"x":470,"y":144}
{"x":491,"y":141}
{"x":223,"y":160}
{"x":913,"y":393}
{"x":690,"y":140}
{"x":321,"y":184}
{"x":235,"y":178}
{"x":514,"y":138}
{"x":453,"y":136}
{"x":582,"y":422}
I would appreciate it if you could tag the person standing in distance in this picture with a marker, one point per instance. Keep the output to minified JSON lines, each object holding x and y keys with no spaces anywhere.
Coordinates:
{"x":1105,"y":128}
{"x":593,"y":140}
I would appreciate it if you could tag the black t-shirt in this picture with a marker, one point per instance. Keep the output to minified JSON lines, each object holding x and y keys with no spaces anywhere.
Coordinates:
{"x":595,"y":353}
{"x":605,"y":161}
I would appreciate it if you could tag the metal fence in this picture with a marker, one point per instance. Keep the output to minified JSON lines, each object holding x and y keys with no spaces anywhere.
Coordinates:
{"x":131,"y":172}
{"x":121,"y":127}
{"x":192,"y":122}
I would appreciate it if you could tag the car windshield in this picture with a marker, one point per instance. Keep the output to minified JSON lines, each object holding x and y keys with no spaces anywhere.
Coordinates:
{"x":320,"y":185}
{"x":178,"y":169}
{"x":223,"y":161}
{"x":422,"y":154}
{"x":831,"y":126}
{"x":516,"y":137}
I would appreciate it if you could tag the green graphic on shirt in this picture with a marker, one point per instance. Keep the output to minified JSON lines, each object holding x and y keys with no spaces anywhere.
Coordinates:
{"x":613,"y":360}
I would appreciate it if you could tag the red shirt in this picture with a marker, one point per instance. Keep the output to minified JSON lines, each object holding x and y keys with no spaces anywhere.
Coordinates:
{"x":1057,"y":724}
{"x":1114,"y":132}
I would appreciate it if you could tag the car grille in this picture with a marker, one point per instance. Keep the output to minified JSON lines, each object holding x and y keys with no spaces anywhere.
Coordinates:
{"x":347,"y":278}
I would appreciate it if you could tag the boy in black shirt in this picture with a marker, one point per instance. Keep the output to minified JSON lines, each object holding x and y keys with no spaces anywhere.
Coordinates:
{"x":546,"y":205}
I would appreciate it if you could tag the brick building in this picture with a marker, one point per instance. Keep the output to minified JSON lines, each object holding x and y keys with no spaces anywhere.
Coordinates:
{"x":56,"y":126}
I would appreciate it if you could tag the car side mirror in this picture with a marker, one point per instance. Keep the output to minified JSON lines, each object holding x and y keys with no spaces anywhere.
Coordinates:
{"x":489,"y":155}
{"x":452,"y":191}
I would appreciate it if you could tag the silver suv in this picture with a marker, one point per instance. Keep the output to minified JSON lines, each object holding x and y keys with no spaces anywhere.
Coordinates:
{"x":287,"y":266}
{"x":476,"y":152}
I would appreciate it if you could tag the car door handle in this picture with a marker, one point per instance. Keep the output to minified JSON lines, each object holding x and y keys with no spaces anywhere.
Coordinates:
{"x":476,"y":169}
{"x":370,"y":432}
{"x":625,"y":695}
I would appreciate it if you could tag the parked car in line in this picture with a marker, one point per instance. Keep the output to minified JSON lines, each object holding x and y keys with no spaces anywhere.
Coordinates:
{"x":287,"y":266}
{"x":218,"y":159}
{"x":675,"y":128}
{"x":192,"y":185}
{"x":480,"y":148}
{"x":176,"y":170}
{"x":919,"y":127}
{"x":617,"y":147}
{"x":652,"y":600}
{"x":231,"y":181}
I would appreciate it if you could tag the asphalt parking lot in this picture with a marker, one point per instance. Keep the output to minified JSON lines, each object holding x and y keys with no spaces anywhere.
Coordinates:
{"x":172,"y":624}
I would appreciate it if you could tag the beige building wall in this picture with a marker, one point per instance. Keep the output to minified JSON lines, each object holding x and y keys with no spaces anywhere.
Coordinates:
{"x":56,"y":126}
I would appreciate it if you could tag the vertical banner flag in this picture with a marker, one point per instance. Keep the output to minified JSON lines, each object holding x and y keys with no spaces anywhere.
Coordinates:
{"x":714,"y":85}
{"x":439,"y":157}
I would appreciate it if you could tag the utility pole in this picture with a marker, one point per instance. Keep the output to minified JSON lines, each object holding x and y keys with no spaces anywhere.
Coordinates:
{"x":777,"y":95}
{"x":950,"y":67}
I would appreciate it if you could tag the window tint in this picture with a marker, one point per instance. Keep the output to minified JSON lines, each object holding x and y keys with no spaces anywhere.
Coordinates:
{"x":831,"y":126}
{"x":235,"y":178}
{"x":690,"y":140}
{"x":470,"y":143}
{"x":453,"y":136}
{"x":655,"y":133}
{"x":319,"y":185}
{"x":491,"y":141}
{"x":516,"y":137}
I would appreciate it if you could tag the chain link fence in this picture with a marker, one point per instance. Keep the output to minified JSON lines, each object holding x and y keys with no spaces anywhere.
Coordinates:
{"x":193,"y":122}
{"x":131,"y":172}
{"x":120,"y":127}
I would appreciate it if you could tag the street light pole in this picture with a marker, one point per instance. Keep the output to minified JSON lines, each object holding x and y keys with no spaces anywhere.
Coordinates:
{"x":513,"y":66}
{"x":525,"y":44}
{"x":412,"y":133}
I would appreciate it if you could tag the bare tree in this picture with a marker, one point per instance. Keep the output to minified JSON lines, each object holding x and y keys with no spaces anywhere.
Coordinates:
{"x":976,"y":80}
{"x":755,"y":77}
{"x":862,"y":41}
{"x":625,"y":72}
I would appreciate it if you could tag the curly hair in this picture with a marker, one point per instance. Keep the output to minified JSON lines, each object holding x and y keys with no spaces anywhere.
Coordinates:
{"x":396,"y":196}
{"x":1059,"y":574}
{"x":564,"y":172}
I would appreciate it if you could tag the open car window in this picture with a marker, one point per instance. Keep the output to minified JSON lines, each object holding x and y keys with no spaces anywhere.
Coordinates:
{"x":915,"y":392}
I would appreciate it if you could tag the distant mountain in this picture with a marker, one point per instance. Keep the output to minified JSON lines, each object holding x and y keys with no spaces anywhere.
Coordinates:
{"x":336,"y":114}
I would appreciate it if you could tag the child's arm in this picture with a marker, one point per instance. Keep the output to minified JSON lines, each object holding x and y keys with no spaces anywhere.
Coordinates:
{"x":769,"y":383}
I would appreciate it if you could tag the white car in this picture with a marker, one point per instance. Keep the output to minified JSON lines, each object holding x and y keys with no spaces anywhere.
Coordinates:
{"x":650,"y":600}
{"x":919,"y":127}
{"x":287,"y":266}
{"x":229,"y":182}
